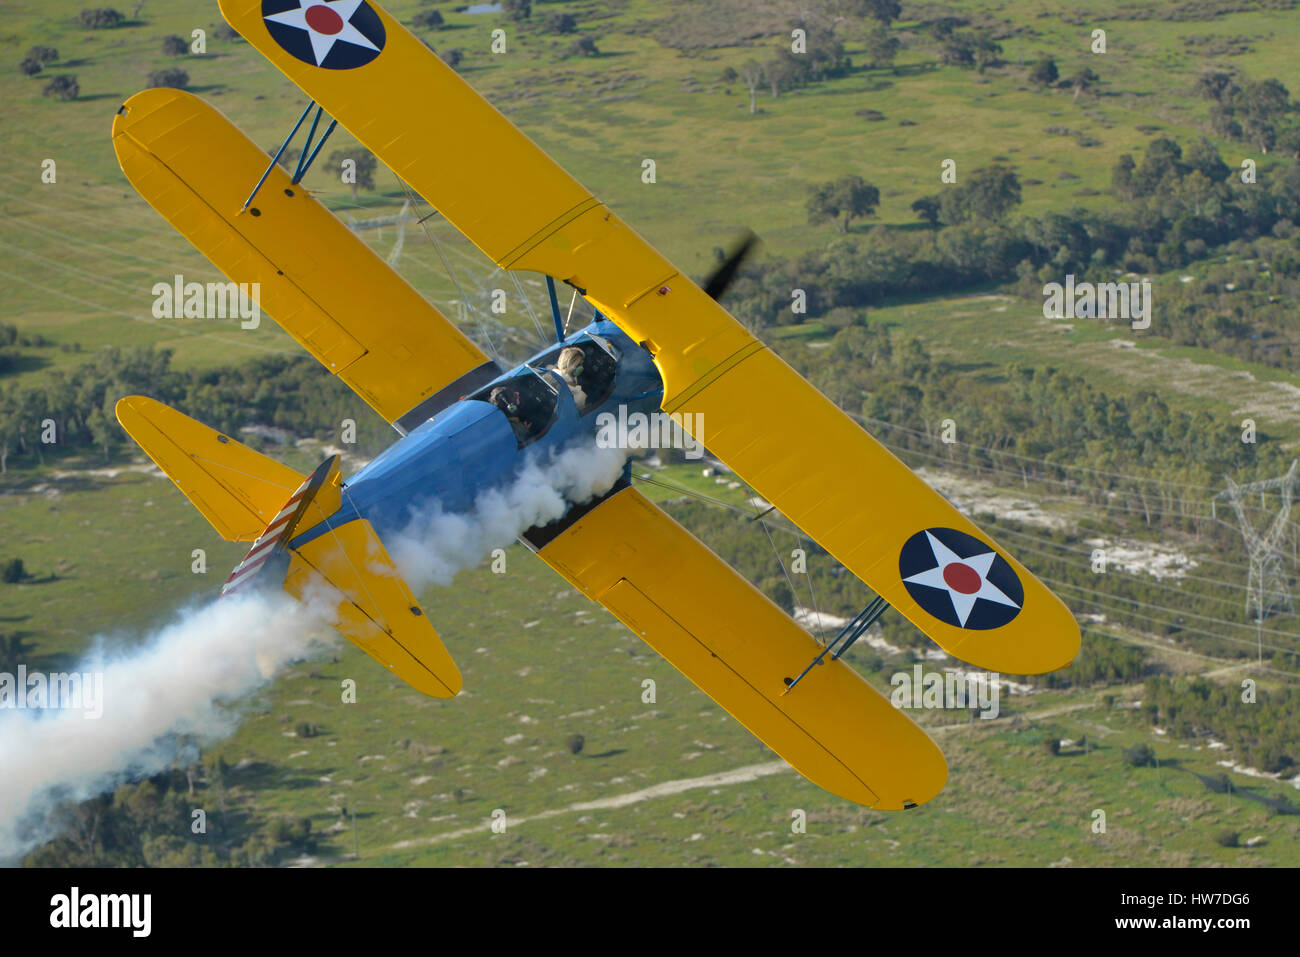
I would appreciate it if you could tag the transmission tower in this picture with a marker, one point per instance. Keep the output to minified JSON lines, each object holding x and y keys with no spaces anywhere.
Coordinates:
{"x":1267,"y":588}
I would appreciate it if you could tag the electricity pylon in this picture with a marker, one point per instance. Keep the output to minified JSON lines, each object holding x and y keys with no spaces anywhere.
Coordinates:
{"x":1267,"y":588}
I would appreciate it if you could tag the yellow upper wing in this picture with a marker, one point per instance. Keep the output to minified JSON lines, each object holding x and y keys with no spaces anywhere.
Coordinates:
{"x":723,"y":634}
{"x":790,"y":443}
{"x":318,"y":280}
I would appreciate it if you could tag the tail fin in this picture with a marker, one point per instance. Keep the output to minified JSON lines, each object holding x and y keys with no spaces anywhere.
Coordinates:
{"x":249,"y":497}
{"x":237,"y":489}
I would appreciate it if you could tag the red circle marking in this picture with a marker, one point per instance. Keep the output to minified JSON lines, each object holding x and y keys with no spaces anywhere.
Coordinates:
{"x":324,"y":20}
{"x":962,"y":578}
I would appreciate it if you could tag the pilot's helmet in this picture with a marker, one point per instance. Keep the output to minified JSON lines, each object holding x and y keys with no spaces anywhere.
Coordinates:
{"x":507,"y":400}
{"x":570,"y":362}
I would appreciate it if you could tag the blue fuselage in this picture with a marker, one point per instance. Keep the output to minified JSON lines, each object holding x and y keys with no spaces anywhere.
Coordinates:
{"x":471,"y":446}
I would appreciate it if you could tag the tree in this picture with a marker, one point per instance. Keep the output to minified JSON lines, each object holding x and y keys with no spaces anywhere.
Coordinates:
{"x":1052,"y":745}
{"x":752,"y":74}
{"x":779,"y":73}
{"x":452,"y":58}
{"x":1267,"y":99}
{"x":428,"y":20}
{"x":1083,"y":81}
{"x":583,"y":46}
{"x":847,"y":198}
{"x":955,"y":49}
{"x":987,"y":195}
{"x":30,"y":67}
{"x":1121,"y":177}
{"x":172,"y":76}
{"x":985,"y":51}
{"x":43,"y":55}
{"x":574,"y":743}
{"x":361,"y":163}
{"x":104,"y":431}
{"x":1044,"y":73}
{"x":518,"y":9}
{"x":927,"y":208}
{"x":1202,"y":156}
{"x":64,"y":86}
{"x":881,"y":45}
{"x":1216,"y":85}
{"x":175,"y":46}
{"x":561,"y":23}
{"x":13,"y":572}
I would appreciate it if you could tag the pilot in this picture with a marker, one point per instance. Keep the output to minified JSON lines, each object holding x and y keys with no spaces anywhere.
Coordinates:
{"x":569,"y":366}
{"x":507,"y":400}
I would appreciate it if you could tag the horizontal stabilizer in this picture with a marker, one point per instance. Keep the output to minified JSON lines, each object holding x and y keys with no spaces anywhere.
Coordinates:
{"x":237,"y":489}
{"x":374,"y":608}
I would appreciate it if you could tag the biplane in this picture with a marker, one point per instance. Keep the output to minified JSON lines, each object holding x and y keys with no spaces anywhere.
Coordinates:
{"x":659,"y":342}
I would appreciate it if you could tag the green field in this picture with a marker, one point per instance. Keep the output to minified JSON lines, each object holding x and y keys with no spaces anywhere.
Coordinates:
{"x":675,"y":782}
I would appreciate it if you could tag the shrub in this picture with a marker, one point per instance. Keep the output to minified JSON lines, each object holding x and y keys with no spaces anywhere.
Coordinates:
{"x":100,"y":18}
{"x":565,"y":23}
{"x":1052,"y":745}
{"x":1227,"y":838}
{"x":175,"y":46}
{"x":65,"y":87}
{"x":1140,"y":757}
{"x":574,"y":743}
{"x":172,"y":76}
{"x":43,"y":55}
{"x":452,"y":58}
{"x":428,"y":20}
{"x":13,"y":571}
{"x":30,"y":67}
{"x":583,"y":46}
{"x":1044,"y":72}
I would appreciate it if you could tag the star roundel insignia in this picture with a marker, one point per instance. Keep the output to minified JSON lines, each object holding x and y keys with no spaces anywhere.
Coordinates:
{"x":334,"y":34}
{"x":959,"y":579}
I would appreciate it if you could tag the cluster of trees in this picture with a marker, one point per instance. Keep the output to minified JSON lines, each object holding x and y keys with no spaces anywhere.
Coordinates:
{"x":1102,"y":660}
{"x":37,"y":59}
{"x":1173,"y":212}
{"x":975,"y":49}
{"x":1257,"y":112}
{"x":1262,"y":734}
{"x":149,"y":824}
{"x":1244,"y":307}
{"x":291,"y":393}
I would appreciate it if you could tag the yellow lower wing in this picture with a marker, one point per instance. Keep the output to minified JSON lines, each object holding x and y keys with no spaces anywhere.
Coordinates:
{"x":375,"y":610}
{"x":237,"y":489}
{"x":738,"y":648}
{"x":320,"y":282}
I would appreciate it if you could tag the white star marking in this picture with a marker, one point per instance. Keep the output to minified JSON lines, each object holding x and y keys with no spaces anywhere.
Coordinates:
{"x":962,"y":603}
{"x":322,"y":43}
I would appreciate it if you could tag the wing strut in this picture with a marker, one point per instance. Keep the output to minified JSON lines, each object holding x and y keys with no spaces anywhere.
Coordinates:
{"x":308,"y":154}
{"x":850,"y":633}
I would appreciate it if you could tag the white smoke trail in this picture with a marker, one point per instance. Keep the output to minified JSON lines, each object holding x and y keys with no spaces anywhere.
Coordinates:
{"x":178,"y":682}
{"x":435,"y":545}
